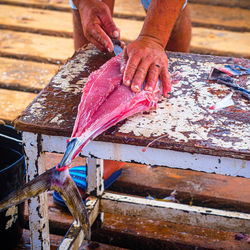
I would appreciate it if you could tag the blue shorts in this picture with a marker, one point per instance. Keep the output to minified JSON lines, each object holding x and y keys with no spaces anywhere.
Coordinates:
{"x":145,"y":4}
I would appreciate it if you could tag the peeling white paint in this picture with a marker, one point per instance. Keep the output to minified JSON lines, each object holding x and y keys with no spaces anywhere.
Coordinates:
{"x":179,"y":116}
{"x":36,"y":109}
{"x":71,"y":70}
{"x":38,"y":208}
{"x":12,"y":212}
{"x":57,"y":119}
{"x":153,"y":156}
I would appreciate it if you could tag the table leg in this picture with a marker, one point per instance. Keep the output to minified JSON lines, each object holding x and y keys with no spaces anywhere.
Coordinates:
{"x":38,"y":208}
{"x":95,"y":181}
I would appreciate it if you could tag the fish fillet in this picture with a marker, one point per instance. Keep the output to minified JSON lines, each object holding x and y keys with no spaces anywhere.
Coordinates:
{"x":106,"y":101}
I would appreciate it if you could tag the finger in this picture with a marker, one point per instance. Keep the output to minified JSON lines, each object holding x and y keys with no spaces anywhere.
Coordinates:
{"x":124,"y":59}
{"x":153,"y":75}
{"x":140,"y":76}
{"x":166,"y":81}
{"x":123,"y":45}
{"x":101,"y":39}
{"x":108,"y":24}
{"x":131,"y":66}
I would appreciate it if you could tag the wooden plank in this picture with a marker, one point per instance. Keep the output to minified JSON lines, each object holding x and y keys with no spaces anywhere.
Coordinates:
{"x":129,"y":205}
{"x":197,"y":188}
{"x":234,"y":19}
{"x":128,"y":232}
{"x":36,"y":20}
{"x":55,"y":49}
{"x":39,"y":20}
{"x":230,"y":3}
{"x":219,"y":42}
{"x":25,"y":75}
{"x":42,"y":4}
{"x":122,"y":7}
{"x":35,"y":47}
{"x":12,"y":103}
{"x":55,"y":241}
{"x":141,"y":233}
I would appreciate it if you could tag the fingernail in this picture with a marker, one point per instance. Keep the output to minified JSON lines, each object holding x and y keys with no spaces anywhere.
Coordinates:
{"x":127,"y":83}
{"x":135,"y":88}
{"x":109,"y":50}
{"x":150,"y":89}
{"x":115,"y":34}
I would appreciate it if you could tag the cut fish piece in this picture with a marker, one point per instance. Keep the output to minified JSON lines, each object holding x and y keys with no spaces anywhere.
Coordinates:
{"x":98,"y":87}
{"x":106,"y":101}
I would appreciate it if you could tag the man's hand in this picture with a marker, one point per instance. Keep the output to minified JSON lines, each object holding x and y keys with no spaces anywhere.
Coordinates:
{"x":97,"y":24}
{"x":145,"y":59}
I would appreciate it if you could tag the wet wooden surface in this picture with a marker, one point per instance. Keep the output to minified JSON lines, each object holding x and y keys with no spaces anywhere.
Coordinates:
{"x":27,"y":37}
{"x":28,"y":62}
{"x":185,"y":120}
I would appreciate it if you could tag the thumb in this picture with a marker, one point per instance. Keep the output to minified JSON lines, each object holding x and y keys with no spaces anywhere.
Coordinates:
{"x":108,"y":25}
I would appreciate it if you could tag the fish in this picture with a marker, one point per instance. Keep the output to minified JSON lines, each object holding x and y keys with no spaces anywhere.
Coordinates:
{"x":105,"y":102}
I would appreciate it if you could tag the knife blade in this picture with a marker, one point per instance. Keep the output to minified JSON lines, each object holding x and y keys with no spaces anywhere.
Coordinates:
{"x":117,"y":46}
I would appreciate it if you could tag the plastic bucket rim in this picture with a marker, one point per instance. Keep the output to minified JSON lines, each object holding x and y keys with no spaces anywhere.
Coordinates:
{"x":14,"y":163}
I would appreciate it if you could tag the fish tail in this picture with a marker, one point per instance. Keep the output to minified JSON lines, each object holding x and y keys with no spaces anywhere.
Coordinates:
{"x":31,"y":189}
{"x":68,"y":190}
{"x":63,"y":184}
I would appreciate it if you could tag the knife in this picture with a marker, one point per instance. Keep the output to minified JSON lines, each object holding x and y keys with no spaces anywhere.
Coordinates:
{"x":117,"y":46}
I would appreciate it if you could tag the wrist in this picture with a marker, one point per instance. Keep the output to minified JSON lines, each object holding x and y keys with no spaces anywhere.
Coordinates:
{"x":152,"y":40}
{"x":76,"y":3}
{"x":79,"y":3}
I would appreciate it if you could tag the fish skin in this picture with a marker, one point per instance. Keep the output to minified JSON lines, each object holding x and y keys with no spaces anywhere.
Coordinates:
{"x":60,"y":181}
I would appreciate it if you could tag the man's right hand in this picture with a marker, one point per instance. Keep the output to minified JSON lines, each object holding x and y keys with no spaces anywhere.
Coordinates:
{"x":97,"y":23}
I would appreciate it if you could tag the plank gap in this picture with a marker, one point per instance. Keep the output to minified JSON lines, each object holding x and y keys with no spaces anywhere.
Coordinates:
{"x":220,"y":27}
{"x":37,"y":5}
{"x":39,"y":31}
{"x":32,"y":58}
{"x":22,"y":88}
{"x":243,"y":4}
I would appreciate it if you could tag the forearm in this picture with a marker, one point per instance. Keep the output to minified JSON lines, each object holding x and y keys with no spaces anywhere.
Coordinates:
{"x":160,"y":20}
{"x":109,"y":3}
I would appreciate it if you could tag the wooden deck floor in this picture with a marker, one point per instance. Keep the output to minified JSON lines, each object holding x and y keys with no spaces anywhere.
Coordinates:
{"x":35,"y":40}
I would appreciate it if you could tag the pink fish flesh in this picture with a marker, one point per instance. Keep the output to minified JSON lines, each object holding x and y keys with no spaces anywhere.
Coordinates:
{"x":106,"y":101}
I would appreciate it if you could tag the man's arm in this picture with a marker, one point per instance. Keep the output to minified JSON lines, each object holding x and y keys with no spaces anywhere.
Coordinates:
{"x":97,"y":23}
{"x":146,"y":55}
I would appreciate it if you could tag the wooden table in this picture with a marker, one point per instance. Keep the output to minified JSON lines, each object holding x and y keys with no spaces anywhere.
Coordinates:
{"x":194,"y":138}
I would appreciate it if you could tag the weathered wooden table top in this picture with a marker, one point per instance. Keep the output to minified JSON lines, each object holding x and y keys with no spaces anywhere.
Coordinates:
{"x":184,"y":119}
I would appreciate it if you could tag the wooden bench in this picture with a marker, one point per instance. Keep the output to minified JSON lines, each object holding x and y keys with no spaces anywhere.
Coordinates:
{"x":190,"y":143}
{"x":31,"y":52}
